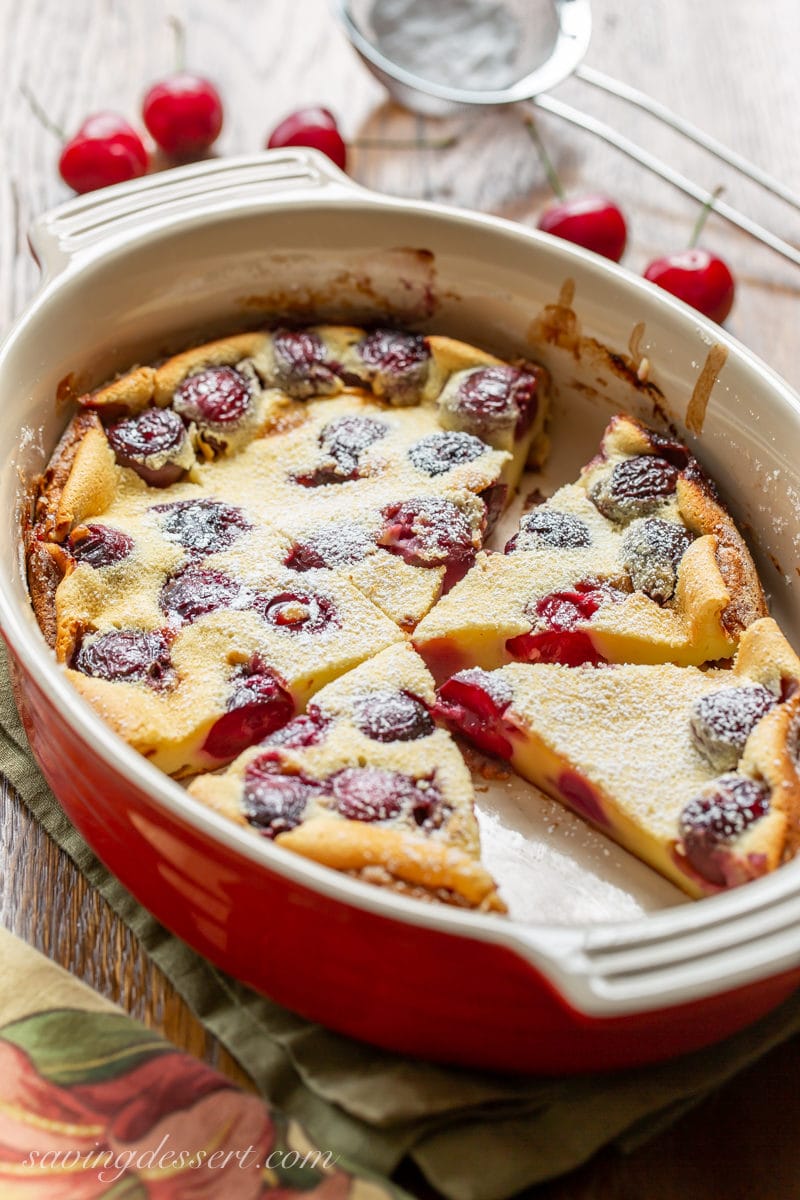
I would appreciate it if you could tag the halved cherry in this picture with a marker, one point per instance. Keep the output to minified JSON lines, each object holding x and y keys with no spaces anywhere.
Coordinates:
{"x":554,"y":637}
{"x":297,"y":612}
{"x":331,"y":546}
{"x":473,"y":703}
{"x":430,"y":532}
{"x":378,"y":794}
{"x":714,"y":819}
{"x":196,"y":591}
{"x":258,"y":704}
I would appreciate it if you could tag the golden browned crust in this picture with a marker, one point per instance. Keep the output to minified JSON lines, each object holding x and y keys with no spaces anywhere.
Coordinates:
{"x":78,"y":481}
{"x":704,"y":514}
{"x":130,"y":393}
{"x":222,"y":353}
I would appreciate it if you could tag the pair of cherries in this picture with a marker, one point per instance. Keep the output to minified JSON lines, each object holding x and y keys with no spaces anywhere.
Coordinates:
{"x":595,"y":222}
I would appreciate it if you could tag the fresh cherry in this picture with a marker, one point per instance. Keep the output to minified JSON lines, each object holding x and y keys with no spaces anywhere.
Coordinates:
{"x":273,"y":802}
{"x":202,"y":526}
{"x":389,"y":716}
{"x":594,"y":222}
{"x":99,"y":545}
{"x":723,"y":721}
{"x":105,"y":150}
{"x":315,"y":127}
{"x":183,"y":114}
{"x":440,"y":452}
{"x":150,"y":444}
{"x":697,"y":277}
{"x":217,"y":396}
{"x":126,"y":656}
{"x":473,"y":703}
{"x":258,"y":705}
{"x":715,"y":818}
{"x":195,"y":591}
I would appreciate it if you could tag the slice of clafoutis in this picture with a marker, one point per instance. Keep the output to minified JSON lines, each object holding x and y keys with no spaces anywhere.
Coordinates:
{"x":638,"y":561}
{"x":366,"y":783}
{"x":694,"y":771}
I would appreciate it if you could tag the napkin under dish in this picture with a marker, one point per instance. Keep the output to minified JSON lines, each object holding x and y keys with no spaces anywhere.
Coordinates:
{"x":474,"y":1135}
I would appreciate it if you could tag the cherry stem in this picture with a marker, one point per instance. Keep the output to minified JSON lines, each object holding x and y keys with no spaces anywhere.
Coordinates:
{"x":544,"y":157}
{"x":442,"y":143}
{"x":179,"y":34}
{"x":704,"y":213}
{"x":41,"y":116}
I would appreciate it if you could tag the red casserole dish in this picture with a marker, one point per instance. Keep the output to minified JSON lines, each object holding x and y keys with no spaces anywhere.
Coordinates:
{"x":623,"y":974}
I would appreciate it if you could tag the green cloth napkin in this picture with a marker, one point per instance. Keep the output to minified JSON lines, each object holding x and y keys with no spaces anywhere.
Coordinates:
{"x":474,"y":1135}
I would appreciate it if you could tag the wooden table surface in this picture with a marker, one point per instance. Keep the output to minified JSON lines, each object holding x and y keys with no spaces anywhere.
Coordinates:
{"x":728,"y":65}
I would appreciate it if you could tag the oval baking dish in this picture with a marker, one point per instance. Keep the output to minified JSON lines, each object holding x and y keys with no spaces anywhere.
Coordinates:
{"x":142,"y":269}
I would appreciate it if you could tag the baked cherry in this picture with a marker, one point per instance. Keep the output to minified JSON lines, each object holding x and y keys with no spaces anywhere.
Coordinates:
{"x":473,"y":703}
{"x":389,"y":716}
{"x":315,"y":127}
{"x":152,"y":444}
{"x":202,"y":526}
{"x":397,"y":364}
{"x":549,"y":527}
{"x":216,"y":396}
{"x":722,"y":722}
{"x":126,"y":656}
{"x":99,"y":545}
{"x":440,"y":452}
{"x":714,"y":819}
{"x":195,"y":591}
{"x":337,"y":545}
{"x":635,"y":487}
{"x":301,"y":365}
{"x":651,"y":553}
{"x":490,"y":401}
{"x":105,"y":150}
{"x":306,"y":730}
{"x":377,"y":794}
{"x":697,"y":277}
{"x":183,"y":114}
{"x":258,"y":704}
{"x":346,"y":439}
{"x":430,"y":532}
{"x":295,"y":613}
{"x":274,"y":803}
{"x":554,"y":637}
{"x":593,"y":221}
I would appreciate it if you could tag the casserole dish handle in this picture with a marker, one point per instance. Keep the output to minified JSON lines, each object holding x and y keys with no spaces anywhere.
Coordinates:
{"x":87,"y":224}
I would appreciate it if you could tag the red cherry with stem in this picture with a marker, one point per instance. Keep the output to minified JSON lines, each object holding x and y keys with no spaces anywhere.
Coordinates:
{"x":105,"y":150}
{"x":695,"y":275}
{"x":315,"y":127}
{"x":593,"y":221}
{"x":183,"y":113}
